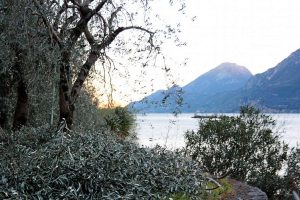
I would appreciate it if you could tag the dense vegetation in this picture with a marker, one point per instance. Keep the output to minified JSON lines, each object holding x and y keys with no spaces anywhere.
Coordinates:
{"x":49,"y":55}
{"x":36,"y":164}
{"x":49,"y":149}
{"x":245,"y":147}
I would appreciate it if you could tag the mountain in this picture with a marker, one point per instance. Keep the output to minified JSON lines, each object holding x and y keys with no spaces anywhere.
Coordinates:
{"x":225,"y":77}
{"x":160,"y":101}
{"x":228,"y":86}
{"x":222,"y":79}
{"x":277,"y":89}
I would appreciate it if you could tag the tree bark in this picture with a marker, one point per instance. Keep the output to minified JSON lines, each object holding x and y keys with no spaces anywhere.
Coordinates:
{"x":67,"y":99}
{"x":22,"y":106}
{"x":65,"y":108}
{"x":4,"y":92}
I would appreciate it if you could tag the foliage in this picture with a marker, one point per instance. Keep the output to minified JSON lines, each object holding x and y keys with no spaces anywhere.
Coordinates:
{"x":292,"y":175}
{"x":91,"y":165}
{"x":243,"y":147}
{"x":53,"y":47}
{"x":120,"y":120}
{"x":219,"y":192}
{"x":91,"y":117}
{"x":27,"y":55}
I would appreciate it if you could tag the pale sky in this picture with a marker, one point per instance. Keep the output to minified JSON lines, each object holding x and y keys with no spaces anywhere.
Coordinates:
{"x":257,"y":34}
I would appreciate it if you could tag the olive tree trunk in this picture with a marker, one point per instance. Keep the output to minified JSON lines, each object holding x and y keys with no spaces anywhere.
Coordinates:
{"x":4,"y":92}
{"x":22,"y":106}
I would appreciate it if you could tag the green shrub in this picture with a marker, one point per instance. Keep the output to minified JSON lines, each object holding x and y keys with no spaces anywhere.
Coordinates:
{"x":89,"y":116}
{"x":91,"y":165}
{"x":219,"y":192}
{"x":292,"y":175}
{"x":120,"y":120}
{"x":243,"y":147}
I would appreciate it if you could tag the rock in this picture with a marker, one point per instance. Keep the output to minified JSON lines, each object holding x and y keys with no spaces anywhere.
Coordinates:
{"x":242,"y":191}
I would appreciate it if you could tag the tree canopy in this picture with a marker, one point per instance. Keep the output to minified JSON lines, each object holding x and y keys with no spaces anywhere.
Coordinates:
{"x":65,"y":39}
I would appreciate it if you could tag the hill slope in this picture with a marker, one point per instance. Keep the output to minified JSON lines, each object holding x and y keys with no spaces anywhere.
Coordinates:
{"x":222,"y":79}
{"x":225,"y":77}
{"x":228,"y":86}
{"x":276,"y":90}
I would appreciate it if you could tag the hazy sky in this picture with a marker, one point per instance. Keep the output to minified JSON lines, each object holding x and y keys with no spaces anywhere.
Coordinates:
{"x":254,"y":33}
{"x":257,"y":34}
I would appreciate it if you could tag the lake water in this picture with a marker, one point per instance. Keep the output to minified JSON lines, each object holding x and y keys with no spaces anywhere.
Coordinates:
{"x":168,"y":130}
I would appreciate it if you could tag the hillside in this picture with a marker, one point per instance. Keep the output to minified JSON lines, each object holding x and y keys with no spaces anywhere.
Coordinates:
{"x":228,"y":86}
{"x":224,"y":78}
{"x":276,"y":90}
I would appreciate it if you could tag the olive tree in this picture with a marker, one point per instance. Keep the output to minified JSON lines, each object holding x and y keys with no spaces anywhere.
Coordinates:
{"x":74,"y":35}
{"x":292,"y":175}
{"x":95,"y":26}
{"x":26,"y":56}
{"x":246,"y":147}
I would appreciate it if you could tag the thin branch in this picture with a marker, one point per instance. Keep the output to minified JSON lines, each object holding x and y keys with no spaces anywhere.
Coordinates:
{"x":62,"y":10}
{"x":76,"y":3}
{"x":89,"y":36}
{"x":104,"y":24}
{"x":151,"y":34}
{"x":79,"y":28}
{"x":224,"y":175}
{"x":215,"y":182}
{"x":139,"y":28}
{"x":113,"y":15}
{"x":68,"y":21}
{"x":52,"y":32}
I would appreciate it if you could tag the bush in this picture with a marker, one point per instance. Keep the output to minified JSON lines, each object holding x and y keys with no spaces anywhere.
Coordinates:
{"x":120,"y":120}
{"x":89,"y":116}
{"x":243,"y":147}
{"x":91,"y":166}
{"x":292,"y":175}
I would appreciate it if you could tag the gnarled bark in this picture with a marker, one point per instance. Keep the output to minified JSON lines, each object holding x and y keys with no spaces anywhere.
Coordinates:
{"x":65,"y":108}
{"x":4,"y":92}
{"x":22,"y":106}
{"x":67,"y":94}
{"x":67,"y":99}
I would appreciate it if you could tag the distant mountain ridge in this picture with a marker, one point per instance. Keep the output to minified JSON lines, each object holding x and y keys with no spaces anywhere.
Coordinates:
{"x":228,"y":86}
{"x":225,"y":77}
{"x":277,"y":89}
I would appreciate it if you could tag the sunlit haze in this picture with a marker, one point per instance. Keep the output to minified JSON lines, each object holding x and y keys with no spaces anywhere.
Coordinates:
{"x":254,"y":33}
{"x":257,"y":34}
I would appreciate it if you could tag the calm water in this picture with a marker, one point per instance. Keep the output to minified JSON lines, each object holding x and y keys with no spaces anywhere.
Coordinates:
{"x":168,"y":130}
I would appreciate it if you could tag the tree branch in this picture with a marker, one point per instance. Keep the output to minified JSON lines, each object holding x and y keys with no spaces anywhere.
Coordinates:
{"x":64,"y":7}
{"x":104,"y":24}
{"x":113,"y":15}
{"x":67,"y":22}
{"x":151,"y":34}
{"x":89,"y":36}
{"x":52,"y":32}
{"x":94,"y":55}
{"x":79,"y":28}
